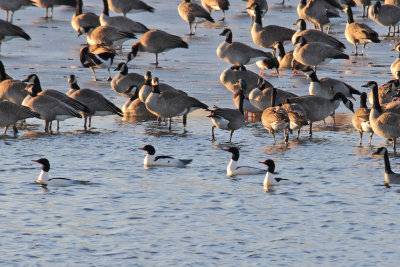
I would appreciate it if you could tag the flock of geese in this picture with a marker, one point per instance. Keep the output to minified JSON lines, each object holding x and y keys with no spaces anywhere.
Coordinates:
{"x":147,"y":98}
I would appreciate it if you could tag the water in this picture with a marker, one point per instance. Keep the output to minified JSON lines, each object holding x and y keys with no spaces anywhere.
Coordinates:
{"x":334,"y":212}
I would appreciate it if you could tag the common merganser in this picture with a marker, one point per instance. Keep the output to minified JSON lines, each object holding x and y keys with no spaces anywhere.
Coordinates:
{"x":269,"y":179}
{"x":45,"y":180}
{"x":233,"y":168}
{"x":151,"y":160}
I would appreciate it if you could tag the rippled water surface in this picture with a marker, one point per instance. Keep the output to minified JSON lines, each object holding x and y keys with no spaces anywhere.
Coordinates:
{"x":334,"y":212}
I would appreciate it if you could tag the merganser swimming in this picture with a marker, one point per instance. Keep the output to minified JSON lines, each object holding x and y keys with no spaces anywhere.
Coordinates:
{"x":233,"y":168}
{"x":151,"y":160}
{"x":44,"y":179}
{"x":269,"y":179}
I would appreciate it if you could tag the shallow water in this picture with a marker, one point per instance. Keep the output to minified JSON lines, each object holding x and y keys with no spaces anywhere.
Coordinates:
{"x":335,"y":211}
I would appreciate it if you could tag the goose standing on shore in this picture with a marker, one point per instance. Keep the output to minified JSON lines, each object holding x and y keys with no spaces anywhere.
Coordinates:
{"x":193,"y":13}
{"x":233,"y":169}
{"x":262,"y":5}
{"x":105,"y":35}
{"x":171,"y":103}
{"x":98,"y":105}
{"x":13,"y":6}
{"x":156,"y":41}
{"x":10,"y":31}
{"x":360,"y":119}
{"x":11,"y":113}
{"x":97,"y":57}
{"x":83,"y":20}
{"x":359,"y":33}
{"x":129,"y":6}
{"x":390,"y":176}
{"x":385,"y":15}
{"x":216,"y":5}
{"x":51,"y":4}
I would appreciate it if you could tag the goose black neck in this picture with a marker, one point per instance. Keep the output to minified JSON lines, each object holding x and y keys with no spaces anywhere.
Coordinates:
{"x":105,"y":8}
{"x":273,"y":97}
{"x":241,"y":101}
{"x":303,"y":2}
{"x":3,"y":75}
{"x":363,"y":100}
{"x":124,"y":70}
{"x":147,"y":81}
{"x":281,"y":50}
{"x":228,"y":38}
{"x":303,"y":26}
{"x":78,"y":9}
{"x":257,"y":12}
{"x":350,"y":18}
{"x":313,"y":77}
{"x":155,"y":89}
{"x":388,"y":169}
{"x":339,"y":96}
{"x":75,"y":86}
{"x":375,"y":103}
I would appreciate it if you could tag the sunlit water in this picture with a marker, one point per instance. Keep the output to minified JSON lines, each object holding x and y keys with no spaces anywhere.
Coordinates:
{"x":335,"y":211}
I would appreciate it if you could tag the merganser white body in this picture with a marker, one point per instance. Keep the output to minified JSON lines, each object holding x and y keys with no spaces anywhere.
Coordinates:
{"x":152,"y":160}
{"x":45,"y":180}
{"x":233,"y":169}
{"x":269,"y":179}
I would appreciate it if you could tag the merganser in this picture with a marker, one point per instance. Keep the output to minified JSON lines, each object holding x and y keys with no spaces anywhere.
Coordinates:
{"x":269,"y":179}
{"x":151,"y":160}
{"x":233,"y":168}
{"x":45,"y":180}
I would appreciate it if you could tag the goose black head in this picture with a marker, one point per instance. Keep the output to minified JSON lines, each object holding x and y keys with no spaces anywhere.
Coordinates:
{"x":380,"y":151}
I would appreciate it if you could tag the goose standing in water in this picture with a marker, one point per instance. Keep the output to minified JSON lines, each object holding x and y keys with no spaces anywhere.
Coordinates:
{"x":233,"y":169}
{"x":123,"y":80}
{"x":98,"y":105}
{"x":170,"y":104}
{"x":360,"y":119}
{"x":146,"y":88}
{"x":11,"y":90}
{"x":386,"y":124}
{"x":216,"y":5}
{"x":133,"y":107}
{"x":317,"y":108}
{"x":193,"y":13}
{"x":270,"y":179}
{"x":275,"y":119}
{"x":238,"y":53}
{"x":297,"y":117}
{"x":227,"y":118}
{"x":385,"y":15}
{"x":247,"y":106}
{"x":11,"y":113}
{"x":286,"y":60}
{"x":315,"y":53}
{"x":359,"y":33}
{"x":365,"y":4}
{"x":166,"y":161}
{"x":386,"y":92}
{"x":97,"y":57}
{"x":390,"y":176}
{"x":156,"y":41}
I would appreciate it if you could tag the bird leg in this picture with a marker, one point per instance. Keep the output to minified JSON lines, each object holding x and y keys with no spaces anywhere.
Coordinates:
{"x":363,"y":48}
{"x":370,"y":137}
{"x":394,"y":145}
{"x":51,"y":12}
{"x":156,"y":63}
{"x":15,"y":128}
{"x":212,"y":133}
{"x":356,"y":53}
{"x":298,"y":133}
{"x":310,"y":128}
{"x":184,"y":120}
{"x":5,"y":129}
{"x":388,"y":34}
{"x":230,"y":138}
{"x":90,"y":121}
{"x":84,"y":124}
{"x":94,"y":74}
{"x":58,"y":125}
{"x":361,"y":135}
{"x":286,"y":135}
{"x":273,"y":136}
{"x":169,"y":124}
{"x":223,"y":16}
{"x":195,"y":27}
{"x":190,"y":29}
{"x":109,"y":75}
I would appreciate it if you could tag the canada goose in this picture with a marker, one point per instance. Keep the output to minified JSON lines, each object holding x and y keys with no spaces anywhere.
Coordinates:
{"x":13,"y":6}
{"x":286,"y":60}
{"x":229,"y":78}
{"x":390,"y":176}
{"x":133,"y":107}
{"x":97,"y":57}
{"x":227,"y":118}
{"x":262,"y":5}
{"x":359,"y":33}
{"x":146,"y":89}
{"x":238,"y":53}
{"x":98,"y":105}
{"x":395,"y":67}
{"x":123,"y":80}
{"x":10,"y":113}
{"x":384,"y":123}
{"x":385,"y":15}
{"x":260,"y":96}
{"x":216,"y":5}
{"x":167,"y":161}
{"x":315,"y":12}
{"x":83,"y":20}
{"x":10,"y":31}
{"x":268,"y":35}
{"x":51,"y":4}
{"x":269,"y":179}
{"x":328,"y":87}
{"x":193,"y":13}
{"x":360,"y":119}
{"x":11,"y":90}
{"x":313,"y":54}
{"x":156,"y":41}
{"x":386,"y":92}
{"x":171,"y":103}
{"x":247,"y":106}
{"x":48,"y":107}
{"x":365,"y":4}
{"x":275,"y":119}
{"x":297,"y":117}
{"x":312,"y":35}
{"x":121,"y":23}
{"x":317,"y":108}
{"x":45,"y":180}
{"x":105,"y":35}
{"x":37,"y":88}
{"x":129,"y":6}
{"x":233,"y":169}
